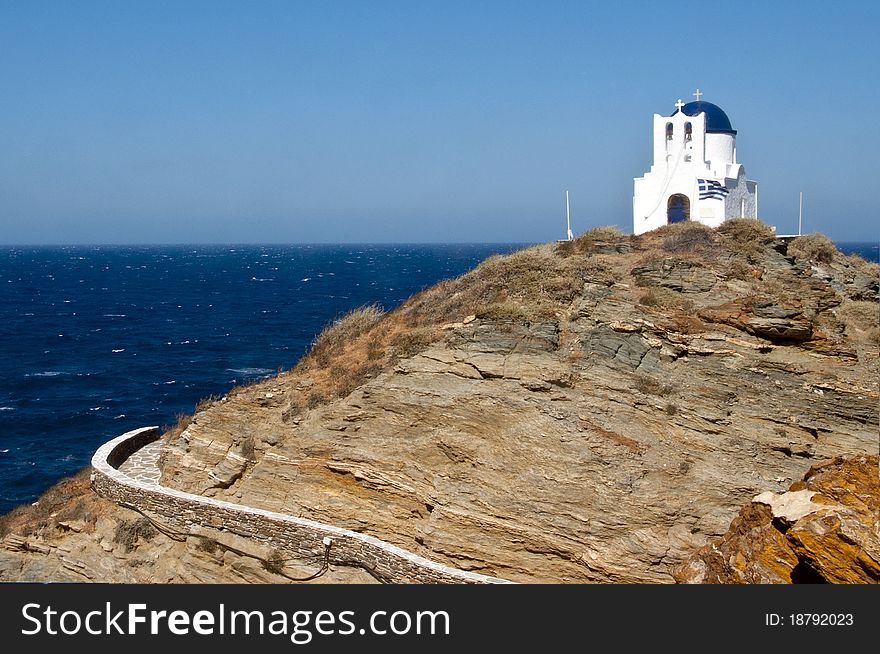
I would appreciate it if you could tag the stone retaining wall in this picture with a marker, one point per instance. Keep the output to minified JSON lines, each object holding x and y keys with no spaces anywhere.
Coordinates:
{"x":299,"y":537}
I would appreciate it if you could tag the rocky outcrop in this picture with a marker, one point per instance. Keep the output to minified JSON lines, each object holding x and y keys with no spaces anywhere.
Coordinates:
{"x":825,"y":529}
{"x":591,"y":412}
{"x":604,"y":437}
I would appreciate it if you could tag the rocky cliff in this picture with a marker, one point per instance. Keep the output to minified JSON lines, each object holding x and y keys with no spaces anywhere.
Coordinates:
{"x":596,"y":410}
{"x":823,"y":530}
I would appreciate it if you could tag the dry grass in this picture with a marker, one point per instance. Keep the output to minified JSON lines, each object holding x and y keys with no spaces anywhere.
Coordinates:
{"x":813,"y":247}
{"x":63,"y":501}
{"x":531,"y":284}
{"x":175,"y":430}
{"x":538,"y":279}
{"x":342,"y":331}
{"x":413,"y":341}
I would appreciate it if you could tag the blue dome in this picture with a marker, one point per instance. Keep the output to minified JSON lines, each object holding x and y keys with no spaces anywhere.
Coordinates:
{"x":717,"y":121}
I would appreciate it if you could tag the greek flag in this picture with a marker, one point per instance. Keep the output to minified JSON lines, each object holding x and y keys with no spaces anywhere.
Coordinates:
{"x":711,"y":190}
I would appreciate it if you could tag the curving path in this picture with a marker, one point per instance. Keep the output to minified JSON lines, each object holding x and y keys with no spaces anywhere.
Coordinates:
{"x":126,"y":471}
{"x":143,"y":465}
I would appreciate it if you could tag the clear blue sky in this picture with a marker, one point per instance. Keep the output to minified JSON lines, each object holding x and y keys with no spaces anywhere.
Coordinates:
{"x":184,"y":121}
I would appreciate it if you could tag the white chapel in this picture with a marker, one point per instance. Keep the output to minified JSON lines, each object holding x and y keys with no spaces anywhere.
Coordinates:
{"x":695,"y":174}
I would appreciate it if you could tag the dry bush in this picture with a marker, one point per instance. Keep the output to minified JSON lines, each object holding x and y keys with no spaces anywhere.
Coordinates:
{"x":316,"y":399}
{"x":503,"y":311}
{"x":413,"y":341}
{"x":356,"y":377}
{"x":651,"y":298}
{"x":737,"y":269}
{"x":664,"y":298}
{"x":275,"y":562}
{"x":129,"y":531}
{"x":688,"y":237}
{"x":343,"y":331}
{"x":812,"y":247}
{"x":587,"y":242}
{"x":869,"y":268}
{"x":375,"y":347}
{"x":745,"y":235}
{"x":247,"y":448}
{"x":649,"y":386}
{"x":565,"y":248}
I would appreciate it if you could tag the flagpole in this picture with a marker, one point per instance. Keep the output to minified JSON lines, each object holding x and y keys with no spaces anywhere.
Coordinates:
{"x":801,"y":213}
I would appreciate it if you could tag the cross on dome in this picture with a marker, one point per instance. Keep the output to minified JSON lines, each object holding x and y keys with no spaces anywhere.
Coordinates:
{"x":679,"y":104}
{"x":698,"y":94}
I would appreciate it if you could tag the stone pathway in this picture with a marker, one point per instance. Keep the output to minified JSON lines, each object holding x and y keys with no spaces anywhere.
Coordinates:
{"x":143,"y":465}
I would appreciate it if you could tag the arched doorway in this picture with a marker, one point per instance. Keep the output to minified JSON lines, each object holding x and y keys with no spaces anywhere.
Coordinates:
{"x":678,"y":208}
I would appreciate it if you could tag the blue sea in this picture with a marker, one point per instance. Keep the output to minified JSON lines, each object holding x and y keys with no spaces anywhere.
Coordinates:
{"x":99,"y":340}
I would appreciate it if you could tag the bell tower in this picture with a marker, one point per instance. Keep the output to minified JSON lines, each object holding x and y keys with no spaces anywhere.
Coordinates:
{"x":695,"y":175}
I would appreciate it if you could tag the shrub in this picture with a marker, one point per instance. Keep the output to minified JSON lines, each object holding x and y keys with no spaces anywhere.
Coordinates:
{"x":649,"y":386}
{"x":355,"y":377}
{"x":736,"y":269}
{"x":689,"y":237}
{"x":664,"y":298}
{"x":375,"y":348}
{"x":651,"y":298}
{"x":745,"y":235}
{"x":503,"y":311}
{"x":275,"y":562}
{"x":812,"y":247}
{"x":247,"y":448}
{"x":587,"y":242}
{"x":412,"y":341}
{"x":128,"y":532}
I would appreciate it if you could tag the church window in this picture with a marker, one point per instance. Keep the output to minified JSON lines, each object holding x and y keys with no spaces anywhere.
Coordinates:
{"x":688,"y":132}
{"x":668,"y":131}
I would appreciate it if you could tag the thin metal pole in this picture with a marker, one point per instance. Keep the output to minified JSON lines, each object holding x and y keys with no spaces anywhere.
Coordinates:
{"x":801,"y":214}
{"x":569,"y":235}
